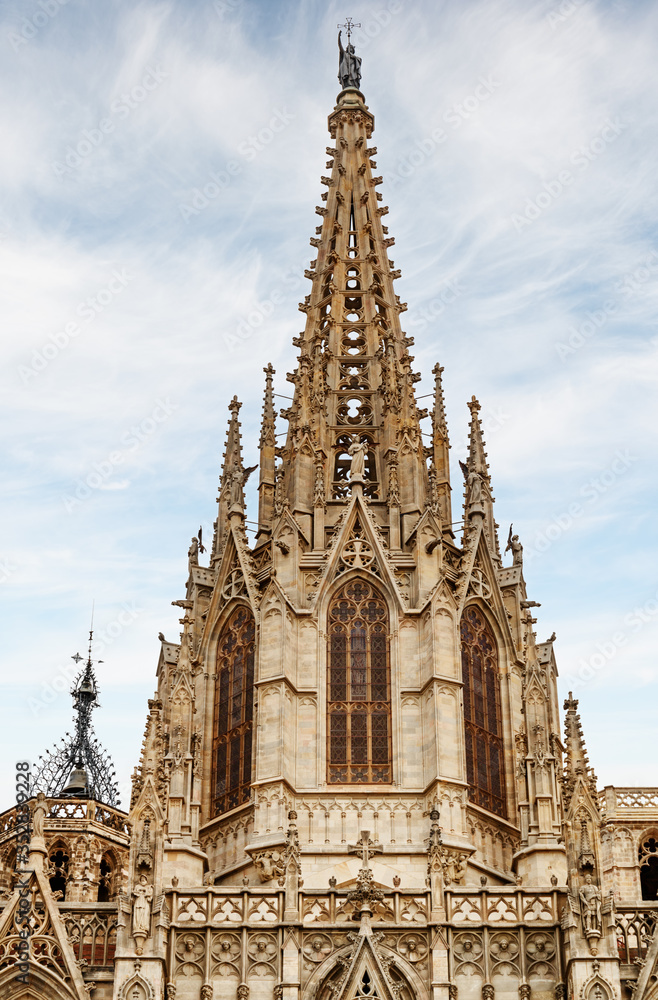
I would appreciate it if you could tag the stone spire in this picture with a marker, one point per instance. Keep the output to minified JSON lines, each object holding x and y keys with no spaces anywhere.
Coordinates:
{"x":231,"y":482}
{"x":440,"y":462}
{"x":353,"y":378}
{"x":267,"y":445}
{"x":577,"y":762}
{"x":478,"y":496}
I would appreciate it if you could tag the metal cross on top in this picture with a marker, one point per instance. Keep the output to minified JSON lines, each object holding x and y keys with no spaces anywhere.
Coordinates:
{"x":365,"y":848}
{"x":348,"y":27}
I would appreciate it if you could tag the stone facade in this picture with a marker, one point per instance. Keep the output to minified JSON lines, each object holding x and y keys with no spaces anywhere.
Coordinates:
{"x":353,"y":781}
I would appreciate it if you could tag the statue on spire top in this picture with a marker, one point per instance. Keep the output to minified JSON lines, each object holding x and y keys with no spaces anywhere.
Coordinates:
{"x":349,"y":64}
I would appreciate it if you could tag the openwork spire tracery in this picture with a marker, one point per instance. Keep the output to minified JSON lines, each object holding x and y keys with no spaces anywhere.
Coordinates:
{"x":354,"y":381}
{"x":78,"y":767}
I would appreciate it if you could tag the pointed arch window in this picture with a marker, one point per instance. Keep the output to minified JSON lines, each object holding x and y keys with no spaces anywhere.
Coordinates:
{"x":482,"y":718}
{"x":233,"y":712}
{"x":648,"y":858}
{"x":359,"y":687}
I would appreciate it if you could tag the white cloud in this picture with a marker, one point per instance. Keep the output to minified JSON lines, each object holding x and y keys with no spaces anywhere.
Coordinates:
{"x":162,"y":336}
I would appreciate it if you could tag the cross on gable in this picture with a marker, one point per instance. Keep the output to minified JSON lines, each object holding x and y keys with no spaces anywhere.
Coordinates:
{"x":365,"y":847}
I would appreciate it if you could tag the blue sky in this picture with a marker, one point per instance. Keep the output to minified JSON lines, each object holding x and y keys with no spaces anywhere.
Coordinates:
{"x":518,"y":148}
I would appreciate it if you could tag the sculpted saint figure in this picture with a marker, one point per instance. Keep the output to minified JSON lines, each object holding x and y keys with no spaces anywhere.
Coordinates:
{"x":143,"y":893}
{"x":590,"y":906}
{"x":39,"y":811}
{"x":237,"y":478}
{"x":517,"y":551}
{"x":357,"y":451}
{"x":474,"y":483}
{"x":349,"y":65}
{"x":193,"y":552}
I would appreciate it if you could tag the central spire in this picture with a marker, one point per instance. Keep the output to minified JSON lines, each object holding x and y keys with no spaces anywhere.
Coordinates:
{"x":354,"y":382}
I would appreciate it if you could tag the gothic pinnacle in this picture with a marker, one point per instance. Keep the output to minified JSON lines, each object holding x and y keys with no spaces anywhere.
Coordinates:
{"x":353,"y":381}
{"x":267,"y":445}
{"x":232,"y":479}
{"x":440,"y":467}
{"x":577,"y":762}
{"x":477,"y":456}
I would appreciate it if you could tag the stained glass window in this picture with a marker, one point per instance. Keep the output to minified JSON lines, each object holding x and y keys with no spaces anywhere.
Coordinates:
{"x":359,"y":687}
{"x":233,"y":716}
{"x":483,"y":730}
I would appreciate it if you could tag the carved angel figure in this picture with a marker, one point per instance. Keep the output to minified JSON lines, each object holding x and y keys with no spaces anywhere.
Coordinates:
{"x":237,"y":480}
{"x":474,"y":484}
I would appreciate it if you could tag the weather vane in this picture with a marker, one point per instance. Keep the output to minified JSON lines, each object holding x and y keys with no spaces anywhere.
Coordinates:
{"x":348,"y":27}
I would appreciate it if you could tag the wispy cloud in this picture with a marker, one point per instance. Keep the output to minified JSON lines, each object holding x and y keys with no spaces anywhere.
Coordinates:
{"x":480,"y":109}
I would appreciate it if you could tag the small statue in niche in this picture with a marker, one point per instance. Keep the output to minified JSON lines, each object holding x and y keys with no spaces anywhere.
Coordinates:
{"x":143,"y":893}
{"x":590,"y":907}
{"x":357,"y":452}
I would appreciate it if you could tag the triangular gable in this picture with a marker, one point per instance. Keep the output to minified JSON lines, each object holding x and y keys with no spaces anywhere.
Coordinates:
{"x":361,"y":549}
{"x":426,"y":519}
{"x":284,"y":519}
{"x":365,"y":970}
{"x":480,"y":580}
{"x":234,"y":580}
{"x":51,"y":953}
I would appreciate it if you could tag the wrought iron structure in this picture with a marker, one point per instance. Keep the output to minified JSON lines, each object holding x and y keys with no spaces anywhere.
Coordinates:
{"x":78,"y":766}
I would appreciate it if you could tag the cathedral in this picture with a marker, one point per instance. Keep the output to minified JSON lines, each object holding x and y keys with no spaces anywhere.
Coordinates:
{"x":355,"y":782}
